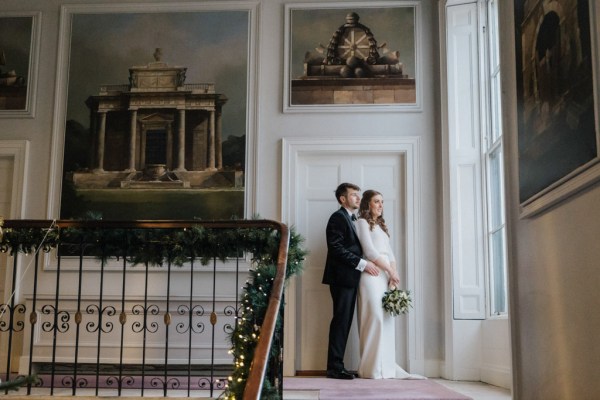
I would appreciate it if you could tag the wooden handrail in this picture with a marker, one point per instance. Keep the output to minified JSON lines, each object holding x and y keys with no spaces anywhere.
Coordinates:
{"x":258,"y":367}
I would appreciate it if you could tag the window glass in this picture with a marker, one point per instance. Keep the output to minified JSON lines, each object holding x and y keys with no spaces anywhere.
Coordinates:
{"x":498,"y":273}
{"x":495,"y":189}
{"x":496,"y":232}
{"x":495,"y":112}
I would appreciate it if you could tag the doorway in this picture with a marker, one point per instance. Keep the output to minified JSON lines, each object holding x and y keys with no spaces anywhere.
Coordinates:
{"x":156,"y":147}
{"x":13,"y":172}
{"x":312,"y":168}
{"x":6,"y":179}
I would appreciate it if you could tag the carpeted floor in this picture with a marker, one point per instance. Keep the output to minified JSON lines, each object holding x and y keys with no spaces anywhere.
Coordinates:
{"x":373,"y":389}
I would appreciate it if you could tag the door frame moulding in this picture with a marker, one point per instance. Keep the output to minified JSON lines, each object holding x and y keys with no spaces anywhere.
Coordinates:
{"x":409,"y":148}
{"x":18,"y":151}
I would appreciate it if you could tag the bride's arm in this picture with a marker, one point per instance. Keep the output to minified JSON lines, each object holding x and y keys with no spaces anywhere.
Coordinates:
{"x":369,"y":250}
{"x":394,"y":278}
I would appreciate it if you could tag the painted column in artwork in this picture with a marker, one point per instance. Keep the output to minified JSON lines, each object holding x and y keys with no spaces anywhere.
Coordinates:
{"x":211,"y":145}
{"x":132,"y":138}
{"x":101,"y":142}
{"x":219,"y":140}
{"x":181,"y":143}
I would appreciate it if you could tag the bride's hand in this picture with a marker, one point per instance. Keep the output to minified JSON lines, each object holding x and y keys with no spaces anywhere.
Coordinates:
{"x":394,"y":279}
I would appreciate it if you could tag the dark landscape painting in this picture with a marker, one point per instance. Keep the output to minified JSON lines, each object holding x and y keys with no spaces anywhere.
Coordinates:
{"x":15,"y":53}
{"x":555,"y":88}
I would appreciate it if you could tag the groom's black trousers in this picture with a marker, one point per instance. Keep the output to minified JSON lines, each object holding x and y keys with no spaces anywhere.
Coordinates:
{"x":344,"y":302}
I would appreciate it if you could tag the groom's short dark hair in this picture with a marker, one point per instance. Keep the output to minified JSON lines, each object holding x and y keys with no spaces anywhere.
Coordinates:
{"x":342,"y":189}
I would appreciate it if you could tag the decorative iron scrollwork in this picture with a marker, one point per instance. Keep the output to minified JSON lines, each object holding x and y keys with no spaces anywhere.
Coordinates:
{"x":93,"y":326}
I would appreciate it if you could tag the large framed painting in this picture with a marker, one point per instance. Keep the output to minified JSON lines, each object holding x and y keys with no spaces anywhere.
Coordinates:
{"x":352,"y":57}
{"x":19,"y":49}
{"x":157,"y":110}
{"x":557,"y":95}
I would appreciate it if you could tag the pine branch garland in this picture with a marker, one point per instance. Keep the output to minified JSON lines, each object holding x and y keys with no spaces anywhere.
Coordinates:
{"x":158,"y":247}
{"x":17,"y":383}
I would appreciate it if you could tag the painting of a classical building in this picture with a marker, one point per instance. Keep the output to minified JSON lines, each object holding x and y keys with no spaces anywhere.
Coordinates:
{"x":143,"y":138}
{"x":174,"y":137}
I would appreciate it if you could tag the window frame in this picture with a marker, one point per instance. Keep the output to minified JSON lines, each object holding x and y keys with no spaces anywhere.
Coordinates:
{"x":492,"y":146}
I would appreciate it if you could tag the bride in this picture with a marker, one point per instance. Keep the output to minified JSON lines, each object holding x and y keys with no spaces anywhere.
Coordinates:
{"x":375,"y":327}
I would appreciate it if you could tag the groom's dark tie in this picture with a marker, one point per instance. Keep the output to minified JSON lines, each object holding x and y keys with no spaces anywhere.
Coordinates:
{"x":353,"y":217}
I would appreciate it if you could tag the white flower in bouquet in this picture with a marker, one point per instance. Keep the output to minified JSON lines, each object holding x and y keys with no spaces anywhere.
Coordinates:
{"x":396,"y":301}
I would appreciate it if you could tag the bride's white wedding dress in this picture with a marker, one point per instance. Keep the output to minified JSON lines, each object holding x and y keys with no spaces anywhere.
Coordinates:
{"x":376,"y":328}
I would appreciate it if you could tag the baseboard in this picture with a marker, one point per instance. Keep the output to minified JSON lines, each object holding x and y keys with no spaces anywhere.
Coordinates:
{"x":497,"y":376}
{"x":433,"y":368}
{"x":311,"y":373}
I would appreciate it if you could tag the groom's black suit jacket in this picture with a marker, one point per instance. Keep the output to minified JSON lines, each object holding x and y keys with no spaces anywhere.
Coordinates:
{"x":343,"y":251}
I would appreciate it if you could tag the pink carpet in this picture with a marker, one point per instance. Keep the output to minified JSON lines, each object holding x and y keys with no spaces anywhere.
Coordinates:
{"x":373,"y":389}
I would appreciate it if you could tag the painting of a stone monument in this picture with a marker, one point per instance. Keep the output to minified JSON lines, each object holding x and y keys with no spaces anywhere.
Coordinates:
{"x":353,"y":56}
{"x":156,"y":119}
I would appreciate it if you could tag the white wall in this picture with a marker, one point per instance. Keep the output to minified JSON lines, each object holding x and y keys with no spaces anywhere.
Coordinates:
{"x":495,"y":352}
{"x":272,"y":125}
{"x":554,"y":277}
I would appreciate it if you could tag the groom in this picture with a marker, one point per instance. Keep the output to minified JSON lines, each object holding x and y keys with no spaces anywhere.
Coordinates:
{"x":342,"y":273}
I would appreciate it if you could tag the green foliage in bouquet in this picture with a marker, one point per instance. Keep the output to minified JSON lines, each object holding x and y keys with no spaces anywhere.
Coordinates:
{"x":396,"y":301}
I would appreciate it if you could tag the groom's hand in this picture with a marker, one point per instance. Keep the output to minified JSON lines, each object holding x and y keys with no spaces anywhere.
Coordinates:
{"x":371,"y":269}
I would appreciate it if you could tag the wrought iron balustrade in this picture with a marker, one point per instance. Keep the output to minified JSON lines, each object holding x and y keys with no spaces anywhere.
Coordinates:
{"x":144,"y":305}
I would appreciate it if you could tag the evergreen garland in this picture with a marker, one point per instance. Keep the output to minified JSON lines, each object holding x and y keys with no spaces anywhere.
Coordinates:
{"x":255,"y":299}
{"x":157,"y":247}
{"x":18,"y":382}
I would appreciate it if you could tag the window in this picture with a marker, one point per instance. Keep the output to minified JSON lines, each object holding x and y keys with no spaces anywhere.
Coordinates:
{"x":493,"y":165}
{"x":475,"y":187}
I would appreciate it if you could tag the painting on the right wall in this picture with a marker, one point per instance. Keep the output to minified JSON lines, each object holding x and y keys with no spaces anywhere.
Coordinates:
{"x":556,"y":99}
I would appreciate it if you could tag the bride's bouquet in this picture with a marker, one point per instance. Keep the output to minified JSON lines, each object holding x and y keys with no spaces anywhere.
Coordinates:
{"x":396,"y":301}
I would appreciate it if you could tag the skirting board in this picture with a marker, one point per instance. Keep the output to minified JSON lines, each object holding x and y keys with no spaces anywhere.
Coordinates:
{"x":497,"y":376}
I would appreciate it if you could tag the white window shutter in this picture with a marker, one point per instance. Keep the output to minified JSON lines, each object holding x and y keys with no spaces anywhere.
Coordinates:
{"x":465,"y":166}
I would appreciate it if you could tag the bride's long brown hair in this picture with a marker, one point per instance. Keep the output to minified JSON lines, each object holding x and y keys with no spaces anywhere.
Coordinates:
{"x":364,"y":212}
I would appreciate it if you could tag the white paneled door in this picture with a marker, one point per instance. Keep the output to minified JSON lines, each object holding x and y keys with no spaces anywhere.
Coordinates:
{"x":313,"y":177}
{"x":13,"y":171}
